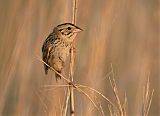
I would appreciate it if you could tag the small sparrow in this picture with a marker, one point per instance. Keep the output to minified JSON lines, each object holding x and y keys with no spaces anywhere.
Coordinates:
{"x":56,"y":47}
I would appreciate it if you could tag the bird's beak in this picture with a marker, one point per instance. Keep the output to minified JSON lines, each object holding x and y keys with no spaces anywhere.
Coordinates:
{"x":77,"y":29}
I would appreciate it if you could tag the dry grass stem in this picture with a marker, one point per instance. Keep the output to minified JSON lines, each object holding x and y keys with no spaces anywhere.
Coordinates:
{"x":100,"y":106}
{"x":103,"y":96}
{"x":53,"y":87}
{"x":115,"y":91}
{"x":71,"y":79}
{"x":110,"y":110}
{"x":108,"y":74}
{"x":67,"y":96}
{"x":56,"y":86}
{"x":147,"y":98}
{"x":84,"y":93}
{"x":125,"y":106}
{"x":72,"y":56}
{"x":74,"y":11}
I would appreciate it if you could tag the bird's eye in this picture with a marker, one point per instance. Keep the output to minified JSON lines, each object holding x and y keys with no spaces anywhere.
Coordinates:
{"x":69,"y":28}
{"x":60,"y":29}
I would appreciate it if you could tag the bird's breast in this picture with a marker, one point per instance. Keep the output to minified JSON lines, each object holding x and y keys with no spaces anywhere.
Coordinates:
{"x":62,"y":51}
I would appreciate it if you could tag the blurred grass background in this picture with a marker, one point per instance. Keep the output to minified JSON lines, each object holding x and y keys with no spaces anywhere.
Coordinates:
{"x":124,"y":33}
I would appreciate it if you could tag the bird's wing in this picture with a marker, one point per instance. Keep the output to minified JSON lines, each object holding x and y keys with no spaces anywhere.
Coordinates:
{"x":46,"y":50}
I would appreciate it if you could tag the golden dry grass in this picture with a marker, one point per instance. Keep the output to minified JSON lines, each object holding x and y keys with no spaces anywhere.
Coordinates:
{"x":124,"y":33}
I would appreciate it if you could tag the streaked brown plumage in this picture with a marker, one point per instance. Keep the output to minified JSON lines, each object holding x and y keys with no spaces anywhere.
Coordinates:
{"x":56,"y":47}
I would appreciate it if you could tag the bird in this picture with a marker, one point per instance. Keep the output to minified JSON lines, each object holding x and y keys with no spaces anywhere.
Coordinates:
{"x":56,"y":47}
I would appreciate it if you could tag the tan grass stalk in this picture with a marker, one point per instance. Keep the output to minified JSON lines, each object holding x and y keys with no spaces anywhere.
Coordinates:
{"x":100,"y":106}
{"x":84,"y":93}
{"x":103,"y":96}
{"x":72,"y":62}
{"x":66,"y":101}
{"x":116,"y":95}
{"x":110,"y":110}
{"x":147,"y":99}
{"x":125,"y":106}
{"x":115,"y":91}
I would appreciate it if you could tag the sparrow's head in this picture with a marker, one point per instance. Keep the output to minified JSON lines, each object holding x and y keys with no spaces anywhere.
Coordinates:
{"x":68,"y":31}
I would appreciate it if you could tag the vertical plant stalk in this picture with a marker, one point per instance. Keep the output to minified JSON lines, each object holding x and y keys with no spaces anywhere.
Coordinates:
{"x":67,"y":96}
{"x":72,"y":57}
{"x":71,"y":87}
{"x":74,"y":11}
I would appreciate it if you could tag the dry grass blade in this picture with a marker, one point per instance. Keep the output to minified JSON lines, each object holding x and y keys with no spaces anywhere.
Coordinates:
{"x":52,"y":87}
{"x":147,"y":99}
{"x":110,"y":110}
{"x":56,"y":86}
{"x":149,"y":103}
{"x":125,"y":106}
{"x":115,"y":91}
{"x":74,"y":11}
{"x":67,"y":96}
{"x":100,"y":106}
{"x":84,"y":93}
{"x":108,"y":74}
{"x":103,"y":96}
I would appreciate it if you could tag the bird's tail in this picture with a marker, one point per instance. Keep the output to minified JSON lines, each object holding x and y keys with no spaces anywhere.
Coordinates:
{"x":46,"y":69}
{"x":58,"y":77}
